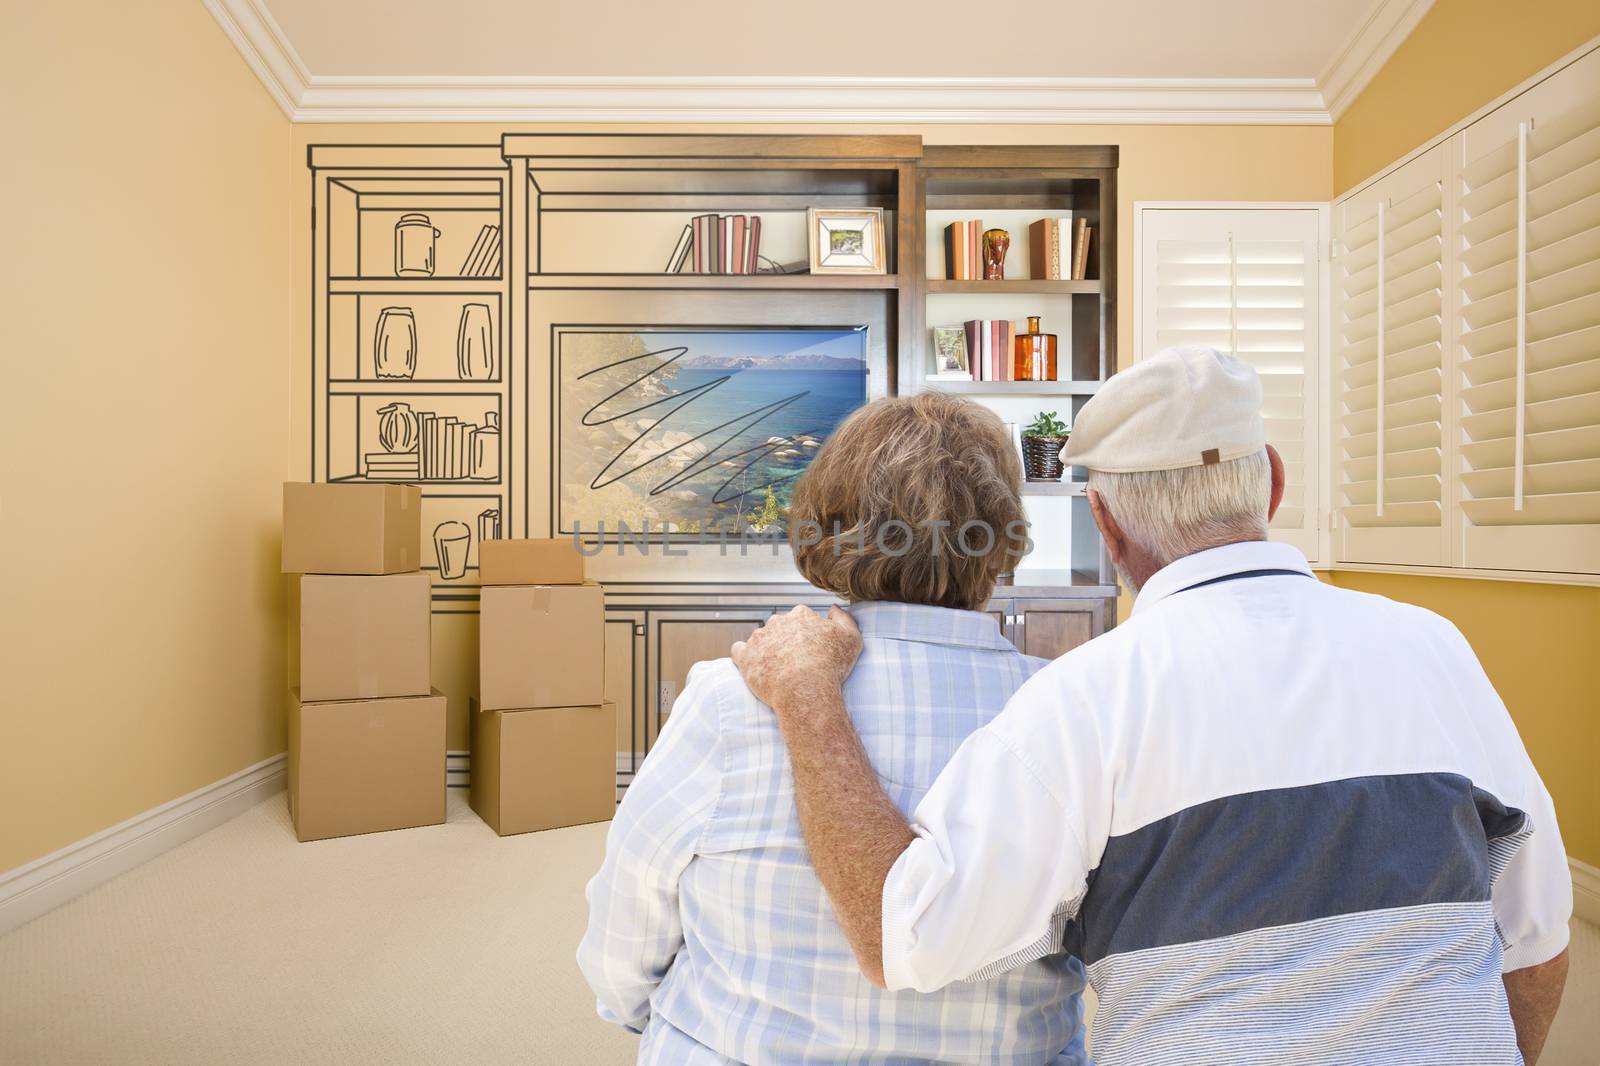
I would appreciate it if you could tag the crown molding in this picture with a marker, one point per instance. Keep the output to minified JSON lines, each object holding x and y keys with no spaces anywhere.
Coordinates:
{"x":811,"y":99}
{"x":307,"y":97}
{"x":265,"y":48}
{"x":1387,"y":25}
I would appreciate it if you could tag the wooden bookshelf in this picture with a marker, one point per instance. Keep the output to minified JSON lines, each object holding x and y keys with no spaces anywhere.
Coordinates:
{"x":1010,"y":186}
{"x":1013,"y":286}
{"x":586,"y":222}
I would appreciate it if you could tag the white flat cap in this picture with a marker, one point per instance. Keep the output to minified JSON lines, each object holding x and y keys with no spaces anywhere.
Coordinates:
{"x":1179,"y":407}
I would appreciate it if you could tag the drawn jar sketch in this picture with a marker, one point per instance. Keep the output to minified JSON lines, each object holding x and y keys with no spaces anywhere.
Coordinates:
{"x":486,"y":449}
{"x":397,"y":428}
{"x":394,"y":345}
{"x":475,"y":344}
{"x":451,"y":543}
{"x":414,"y":238}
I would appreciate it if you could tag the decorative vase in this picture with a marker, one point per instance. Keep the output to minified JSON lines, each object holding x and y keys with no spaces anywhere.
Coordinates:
{"x":452,"y":541}
{"x":414,"y":238}
{"x":394,"y":345}
{"x":475,"y":344}
{"x":995,"y":243}
{"x":1041,"y":458}
{"x":397,"y":428}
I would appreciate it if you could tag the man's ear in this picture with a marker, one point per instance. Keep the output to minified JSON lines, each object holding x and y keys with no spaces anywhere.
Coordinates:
{"x":1116,"y":542}
{"x":1277,"y":481}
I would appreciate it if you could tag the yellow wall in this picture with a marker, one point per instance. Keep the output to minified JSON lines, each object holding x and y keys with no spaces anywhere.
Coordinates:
{"x":1157,"y":163}
{"x":146,"y":310}
{"x":1538,"y":645}
{"x":1462,"y":55}
{"x":1537,"y":642}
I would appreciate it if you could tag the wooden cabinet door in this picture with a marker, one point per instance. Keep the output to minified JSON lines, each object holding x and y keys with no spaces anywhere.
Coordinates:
{"x":683,"y":640}
{"x":624,"y":679}
{"x":1050,"y":629}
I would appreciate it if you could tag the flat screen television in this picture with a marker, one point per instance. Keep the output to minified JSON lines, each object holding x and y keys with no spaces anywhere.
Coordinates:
{"x":695,"y":433}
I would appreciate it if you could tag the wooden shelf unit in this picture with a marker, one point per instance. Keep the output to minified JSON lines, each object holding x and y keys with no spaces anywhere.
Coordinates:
{"x":587,"y":221}
{"x":1013,"y":286}
{"x":1020,"y":184}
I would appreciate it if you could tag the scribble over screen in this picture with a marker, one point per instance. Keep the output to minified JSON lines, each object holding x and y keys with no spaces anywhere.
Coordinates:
{"x":696,"y":432}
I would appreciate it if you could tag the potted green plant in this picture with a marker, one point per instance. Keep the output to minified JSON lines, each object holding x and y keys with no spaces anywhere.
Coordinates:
{"x":1042,"y":441}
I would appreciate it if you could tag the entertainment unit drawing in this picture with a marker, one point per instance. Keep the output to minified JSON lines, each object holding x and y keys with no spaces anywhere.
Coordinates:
{"x":494,"y":323}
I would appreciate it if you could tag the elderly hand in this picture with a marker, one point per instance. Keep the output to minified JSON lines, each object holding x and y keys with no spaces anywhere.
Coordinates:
{"x":798,"y":659}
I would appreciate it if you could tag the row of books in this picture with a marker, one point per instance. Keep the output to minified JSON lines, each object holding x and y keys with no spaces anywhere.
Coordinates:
{"x":448,"y":449}
{"x":484,"y":259}
{"x":963,"y":250}
{"x":718,"y":244}
{"x":1058,"y":248}
{"x":990,"y":346}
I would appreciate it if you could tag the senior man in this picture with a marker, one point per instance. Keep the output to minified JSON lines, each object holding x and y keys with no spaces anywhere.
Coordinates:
{"x":1281,"y":822}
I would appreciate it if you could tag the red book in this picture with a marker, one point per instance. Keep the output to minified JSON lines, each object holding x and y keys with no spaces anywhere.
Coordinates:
{"x":704,"y":244}
{"x":753,"y":263}
{"x":740,"y":250}
{"x":971,"y":329}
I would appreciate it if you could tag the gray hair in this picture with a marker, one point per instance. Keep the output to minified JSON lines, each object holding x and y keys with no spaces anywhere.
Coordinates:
{"x":1173,"y":513}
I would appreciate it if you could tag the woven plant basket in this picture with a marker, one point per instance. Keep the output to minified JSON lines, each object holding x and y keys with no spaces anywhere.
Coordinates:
{"x":1041,"y":458}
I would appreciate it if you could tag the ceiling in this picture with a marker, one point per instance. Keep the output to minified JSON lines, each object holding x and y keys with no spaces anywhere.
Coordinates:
{"x":892,"y":38}
{"x":882,"y":60}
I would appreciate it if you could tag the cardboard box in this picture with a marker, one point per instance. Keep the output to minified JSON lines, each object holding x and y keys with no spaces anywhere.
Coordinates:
{"x":530,"y":562}
{"x":364,"y":766}
{"x":543,"y":767}
{"x":351,"y":529}
{"x":364,"y":637}
{"x":541,"y":646}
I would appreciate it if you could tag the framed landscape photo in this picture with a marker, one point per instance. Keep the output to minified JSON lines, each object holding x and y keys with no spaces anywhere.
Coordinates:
{"x":847,"y":240}
{"x":950,"y":354}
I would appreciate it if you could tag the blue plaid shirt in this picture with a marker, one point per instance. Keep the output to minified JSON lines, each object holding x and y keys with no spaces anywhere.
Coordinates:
{"x":708,"y":931}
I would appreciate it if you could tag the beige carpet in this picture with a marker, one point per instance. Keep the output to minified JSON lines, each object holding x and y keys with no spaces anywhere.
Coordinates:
{"x":438,"y":945}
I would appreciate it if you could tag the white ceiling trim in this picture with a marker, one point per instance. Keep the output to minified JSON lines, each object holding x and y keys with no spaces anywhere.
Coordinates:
{"x":815,"y":99}
{"x":265,"y":48}
{"x":1387,"y":25}
{"x":307,"y":97}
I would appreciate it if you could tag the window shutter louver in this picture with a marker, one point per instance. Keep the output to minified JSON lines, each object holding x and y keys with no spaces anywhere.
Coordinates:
{"x":1528,"y":324}
{"x":1245,"y":282}
{"x":1389,"y":339}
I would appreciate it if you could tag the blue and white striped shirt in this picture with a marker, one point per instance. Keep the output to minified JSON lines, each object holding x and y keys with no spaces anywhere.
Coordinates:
{"x":708,"y":930}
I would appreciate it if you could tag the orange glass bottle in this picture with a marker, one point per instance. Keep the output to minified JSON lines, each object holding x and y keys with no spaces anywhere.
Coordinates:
{"x":1035,"y":358}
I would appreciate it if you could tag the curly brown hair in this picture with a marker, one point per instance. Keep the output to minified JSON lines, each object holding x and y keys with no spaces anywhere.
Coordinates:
{"x":916,"y":500}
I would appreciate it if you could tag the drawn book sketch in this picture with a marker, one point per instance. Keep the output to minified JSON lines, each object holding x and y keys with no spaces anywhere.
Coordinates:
{"x":696,"y":431}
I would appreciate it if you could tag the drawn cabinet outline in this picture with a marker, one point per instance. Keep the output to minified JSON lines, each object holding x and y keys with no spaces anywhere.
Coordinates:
{"x":412,"y":361}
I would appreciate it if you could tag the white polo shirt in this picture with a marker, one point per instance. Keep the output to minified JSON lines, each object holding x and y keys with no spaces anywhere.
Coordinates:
{"x":1279,"y":821}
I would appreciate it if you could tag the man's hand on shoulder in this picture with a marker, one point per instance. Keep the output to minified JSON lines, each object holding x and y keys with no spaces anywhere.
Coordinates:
{"x":799,"y":660}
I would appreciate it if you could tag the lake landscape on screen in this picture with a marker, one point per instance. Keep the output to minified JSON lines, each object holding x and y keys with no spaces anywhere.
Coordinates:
{"x":697,"y":432}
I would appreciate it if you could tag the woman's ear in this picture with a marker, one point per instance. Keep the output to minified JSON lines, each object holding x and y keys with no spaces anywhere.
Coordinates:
{"x":1277,"y":481}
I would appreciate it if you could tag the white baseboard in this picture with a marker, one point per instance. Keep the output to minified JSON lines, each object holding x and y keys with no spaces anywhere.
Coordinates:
{"x":46,"y":883}
{"x":1585,"y":890}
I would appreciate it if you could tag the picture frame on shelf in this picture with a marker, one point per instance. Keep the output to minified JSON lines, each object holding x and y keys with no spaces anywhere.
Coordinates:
{"x":950,"y":361}
{"x":846,"y":240}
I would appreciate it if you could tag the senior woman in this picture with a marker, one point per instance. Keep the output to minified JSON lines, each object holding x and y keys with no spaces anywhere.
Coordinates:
{"x":708,"y":931}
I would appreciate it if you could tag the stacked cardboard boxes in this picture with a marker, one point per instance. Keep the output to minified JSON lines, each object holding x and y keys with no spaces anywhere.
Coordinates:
{"x":542,"y":733}
{"x":366,"y":727}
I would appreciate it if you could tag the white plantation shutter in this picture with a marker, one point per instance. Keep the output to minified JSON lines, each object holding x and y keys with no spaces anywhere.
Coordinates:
{"x":1389,"y":342}
{"x":1528,"y":328}
{"x":1246,"y":281}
